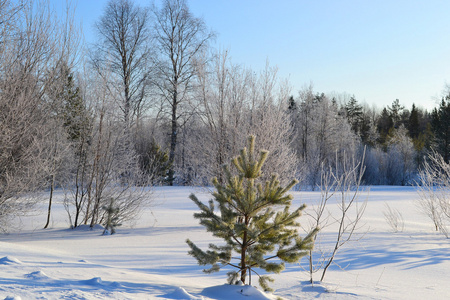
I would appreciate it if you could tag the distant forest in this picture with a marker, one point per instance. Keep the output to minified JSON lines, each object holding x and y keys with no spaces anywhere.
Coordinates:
{"x":152,"y":102}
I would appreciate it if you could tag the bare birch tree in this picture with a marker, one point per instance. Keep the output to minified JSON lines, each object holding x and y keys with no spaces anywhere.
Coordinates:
{"x":342,"y":183}
{"x":351,"y":209}
{"x":124,"y":49}
{"x":180,"y":38}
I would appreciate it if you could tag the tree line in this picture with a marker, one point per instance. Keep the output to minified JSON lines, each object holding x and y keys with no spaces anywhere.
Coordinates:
{"x":395,"y":140}
{"x":152,"y":102}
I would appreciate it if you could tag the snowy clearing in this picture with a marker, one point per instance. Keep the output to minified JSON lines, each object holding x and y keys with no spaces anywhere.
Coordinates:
{"x":149,"y":260}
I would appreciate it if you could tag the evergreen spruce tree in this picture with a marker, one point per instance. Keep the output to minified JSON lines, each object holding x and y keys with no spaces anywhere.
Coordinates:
{"x":354,"y":113}
{"x":440,"y":123}
{"x":292,"y":104}
{"x":254,"y":220}
{"x":385,"y":124}
{"x":395,"y":112}
{"x":413,"y":124}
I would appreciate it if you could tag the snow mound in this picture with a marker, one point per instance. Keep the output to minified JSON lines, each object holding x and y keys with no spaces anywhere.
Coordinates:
{"x":116,"y":285}
{"x":248,"y":290}
{"x":316,"y":287}
{"x":13,"y":298}
{"x":96,"y":281}
{"x":37,"y":275}
{"x":181,"y":293}
{"x":9,"y":260}
{"x":228,"y":291}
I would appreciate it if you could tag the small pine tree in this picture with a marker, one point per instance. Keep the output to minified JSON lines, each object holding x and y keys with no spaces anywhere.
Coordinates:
{"x":111,"y":217}
{"x":254,"y":220}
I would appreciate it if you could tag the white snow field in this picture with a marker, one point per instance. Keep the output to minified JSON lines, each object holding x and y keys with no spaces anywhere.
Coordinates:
{"x":149,"y":259}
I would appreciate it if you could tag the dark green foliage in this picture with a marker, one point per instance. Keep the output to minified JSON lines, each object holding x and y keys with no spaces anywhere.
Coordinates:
{"x":441,"y":128}
{"x":359,"y":120}
{"x":385,"y":124}
{"x":413,"y":124}
{"x":112,"y":217}
{"x":153,"y":161}
{"x":395,"y":112}
{"x":354,"y":113}
{"x":292,"y":104}
{"x":75,"y":116}
{"x":254,"y":220}
{"x":391,"y":118}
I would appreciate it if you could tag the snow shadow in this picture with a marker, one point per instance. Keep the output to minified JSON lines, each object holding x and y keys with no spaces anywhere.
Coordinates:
{"x":406,"y":250}
{"x":81,"y":232}
{"x":355,"y":260}
{"x":316,"y":290}
{"x":39,"y":279}
{"x":179,"y":293}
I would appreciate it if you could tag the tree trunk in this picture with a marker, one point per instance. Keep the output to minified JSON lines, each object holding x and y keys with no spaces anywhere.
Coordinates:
{"x":52,"y":188}
{"x":244,"y":252}
{"x":173,"y":137}
{"x":243,"y":261}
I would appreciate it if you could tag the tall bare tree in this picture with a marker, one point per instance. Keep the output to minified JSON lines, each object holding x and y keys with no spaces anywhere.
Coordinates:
{"x":341,"y":183}
{"x":180,"y":37}
{"x":124,"y":48}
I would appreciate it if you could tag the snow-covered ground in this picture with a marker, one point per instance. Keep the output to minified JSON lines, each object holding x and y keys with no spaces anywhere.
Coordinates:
{"x":150,"y":261}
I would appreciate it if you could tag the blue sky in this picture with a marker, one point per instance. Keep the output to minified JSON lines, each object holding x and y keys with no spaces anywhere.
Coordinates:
{"x":377,"y":50}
